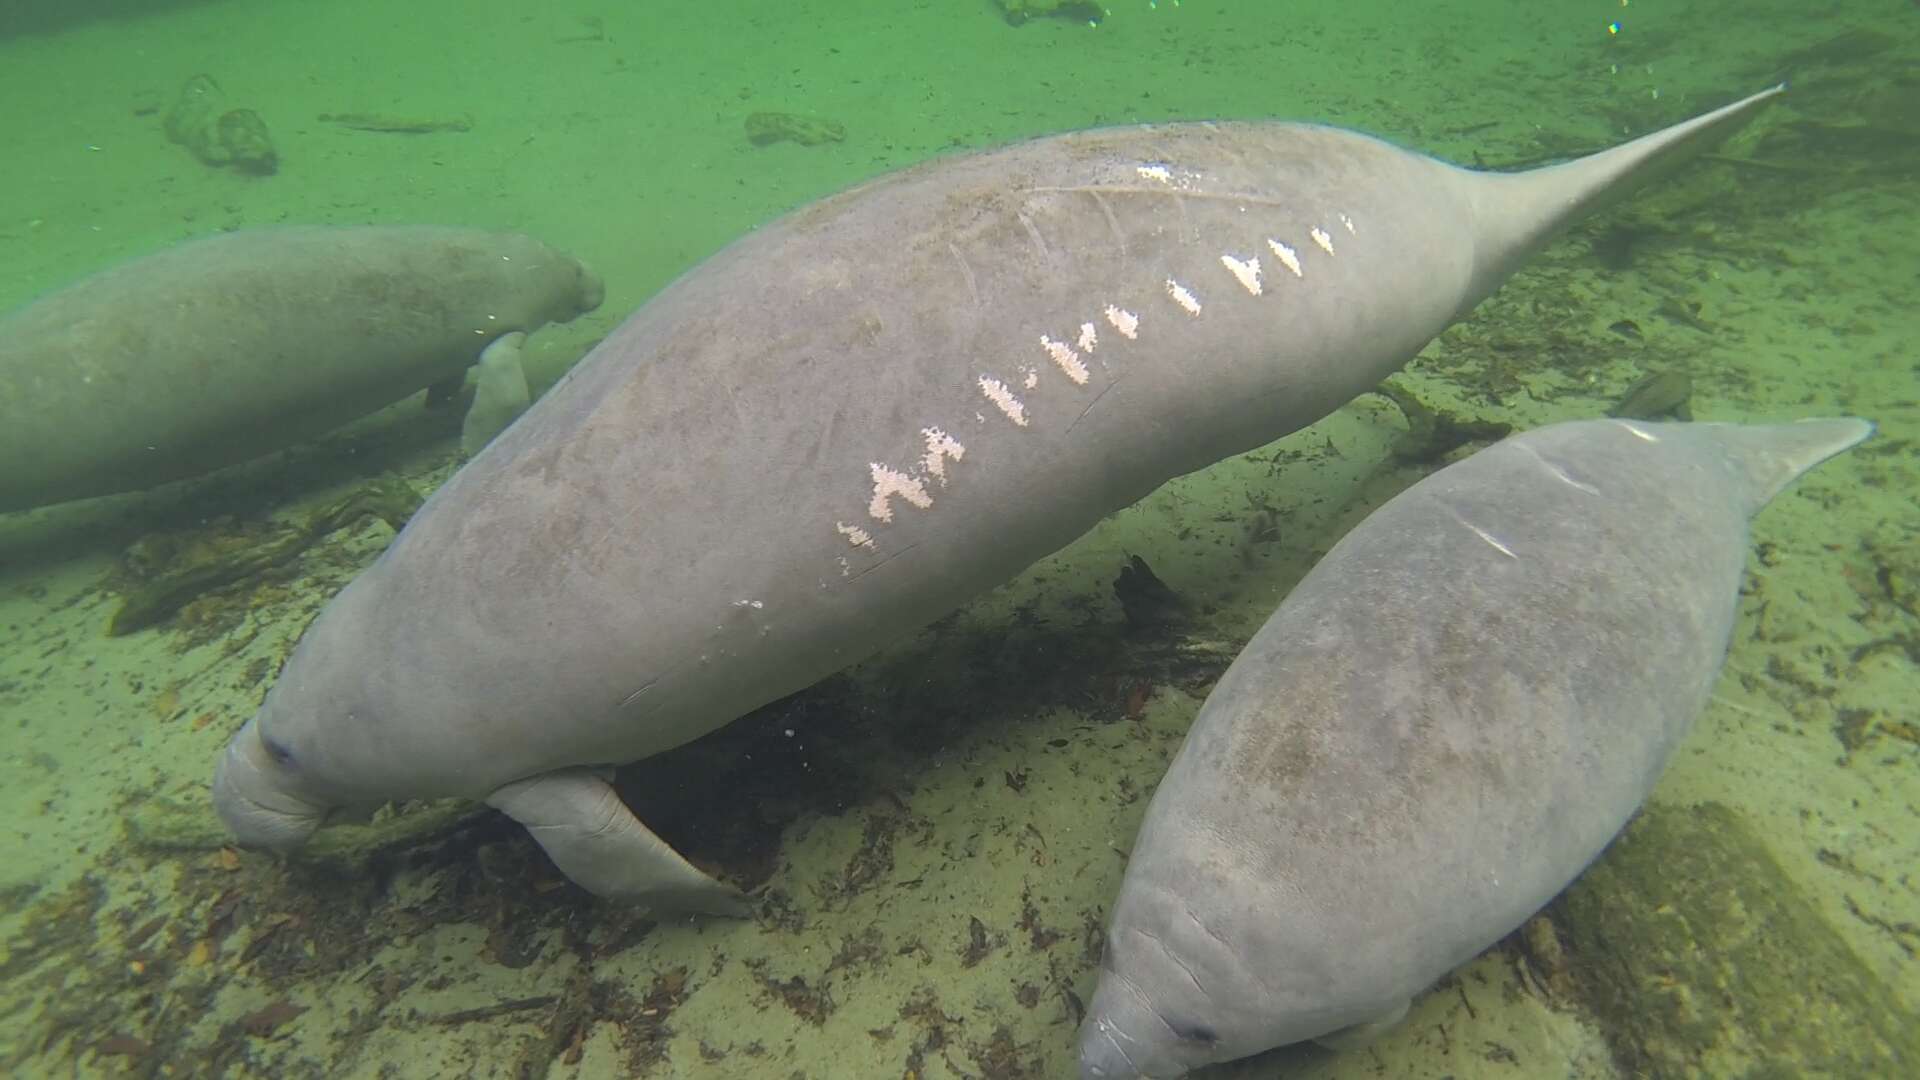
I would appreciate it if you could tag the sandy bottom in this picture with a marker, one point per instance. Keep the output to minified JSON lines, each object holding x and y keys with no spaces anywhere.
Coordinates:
{"x":936,"y":836}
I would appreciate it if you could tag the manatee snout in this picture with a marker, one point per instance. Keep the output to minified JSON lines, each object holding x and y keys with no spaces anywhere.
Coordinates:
{"x":1124,"y":1038}
{"x":542,"y":285}
{"x":592,"y":290}
{"x":1103,"y":1058}
{"x":254,"y":794}
{"x":1128,"y":1035}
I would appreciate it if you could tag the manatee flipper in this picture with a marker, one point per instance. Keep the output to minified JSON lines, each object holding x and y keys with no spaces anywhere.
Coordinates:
{"x":500,"y":392}
{"x":597,"y":842}
{"x":1355,"y":1036}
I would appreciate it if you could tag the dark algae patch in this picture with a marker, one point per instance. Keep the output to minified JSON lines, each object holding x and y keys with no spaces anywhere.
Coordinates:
{"x":1701,"y":957}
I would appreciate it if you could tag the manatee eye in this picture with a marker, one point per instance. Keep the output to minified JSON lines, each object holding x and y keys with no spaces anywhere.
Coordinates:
{"x":280,"y":752}
{"x":1197,"y":1033}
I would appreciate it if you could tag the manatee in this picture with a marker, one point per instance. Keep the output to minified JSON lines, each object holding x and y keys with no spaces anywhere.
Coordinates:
{"x":226,"y":348}
{"x":848,"y":423}
{"x":1442,"y":725}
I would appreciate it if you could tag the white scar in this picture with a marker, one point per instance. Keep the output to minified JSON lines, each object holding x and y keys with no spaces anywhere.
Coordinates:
{"x":1183,"y":296}
{"x":1322,"y":238}
{"x":1245,"y":271}
{"x":1068,"y":360}
{"x":1011,"y":407}
{"x":855,"y":535}
{"x":1492,"y":541}
{"x":940,"y":447}
{"x":889,"y":482}
{"x":1124,"y":321}
{"x":1288,"y":257}
{"x":1558,"y":472}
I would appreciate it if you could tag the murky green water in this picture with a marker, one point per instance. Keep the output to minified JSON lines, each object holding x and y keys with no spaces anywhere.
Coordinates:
{"x":934,"y":839}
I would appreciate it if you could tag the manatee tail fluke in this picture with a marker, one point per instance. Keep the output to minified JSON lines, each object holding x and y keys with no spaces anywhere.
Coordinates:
{"x":1771,"y":456}
{"x":1516,"y":213}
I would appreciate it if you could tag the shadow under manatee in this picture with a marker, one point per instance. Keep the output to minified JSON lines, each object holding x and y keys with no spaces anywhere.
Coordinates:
{"x":860,"y":743}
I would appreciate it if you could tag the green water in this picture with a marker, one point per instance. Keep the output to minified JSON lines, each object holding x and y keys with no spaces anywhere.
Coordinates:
{"x":936,"y":838}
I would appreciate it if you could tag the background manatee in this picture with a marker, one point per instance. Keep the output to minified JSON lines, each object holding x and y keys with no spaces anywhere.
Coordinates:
{"x":229,"y":347}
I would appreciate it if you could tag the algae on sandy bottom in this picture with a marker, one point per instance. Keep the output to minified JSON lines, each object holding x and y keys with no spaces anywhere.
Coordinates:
{"x":1701,"y":957}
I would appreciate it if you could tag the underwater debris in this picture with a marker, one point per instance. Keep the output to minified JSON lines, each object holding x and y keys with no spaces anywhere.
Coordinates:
{"x":489,"y":1012}
{"x":1262,"y":528}
{"x":1700,"y":955}
{"x":1039,"y":936}
{"x":172,"y":571}
{"x":562,"y":1031}
{"x":162,"y":825}
{"x":126,"y":1046}
{"x":382,"y":124}
{"x":810,"y":1003}
{"x":1685,"y":312}
{"x":1544,"y":966}
{"x":1004,"y":1058}
{"x":1432,"y":434}
{"x":264,"y":1022}
{"x":1895,"y":579}
{"x":1017,"y":12}
{"x":865,"y":950}
{"x":924,"y":1011}
{"x":870,"y":864}
{"x":219,"y":136}
{"x":1145,"y":600}
{"x":1856,"y":729}
{"x":1615,"y":243}
{"x":647,"y":1030}
{"x":979,"y":943}
{"x":1659,"y":395}
{"x":767,"y":128}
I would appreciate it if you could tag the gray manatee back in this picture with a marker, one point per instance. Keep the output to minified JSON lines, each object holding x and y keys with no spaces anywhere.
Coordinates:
{"x":851,"y":421}
{"x":1444,"y":722}
{"x":225,"y":348}
{"x":854,"y":419}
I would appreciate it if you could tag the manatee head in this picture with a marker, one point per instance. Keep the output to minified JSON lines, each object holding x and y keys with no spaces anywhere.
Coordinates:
{"x":581,"y":290}
{"x":1206,"y":962}
{"x":1173,"y":996}
{"x":261,"y":795}
{"x":592,"y":289}
{"x":537,"y":283}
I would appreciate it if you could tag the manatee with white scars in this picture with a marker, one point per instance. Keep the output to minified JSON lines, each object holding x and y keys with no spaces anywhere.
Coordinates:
{"x":851,"y":421}
{"x":1442,"y":725}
